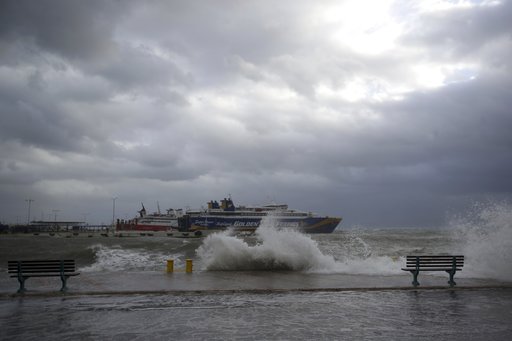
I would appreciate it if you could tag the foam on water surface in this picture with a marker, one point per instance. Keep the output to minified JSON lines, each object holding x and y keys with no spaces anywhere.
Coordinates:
{"x":116,"y":258}
{"x":274,"y":250}
{"x":284,"y":249}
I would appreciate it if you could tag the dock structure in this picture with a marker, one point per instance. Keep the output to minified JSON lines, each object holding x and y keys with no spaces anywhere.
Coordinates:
{"x":41,"y":226}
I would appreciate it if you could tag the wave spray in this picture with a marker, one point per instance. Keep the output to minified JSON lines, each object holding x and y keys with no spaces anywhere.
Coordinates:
{"x":274,"y":249}
{"x":486,"y":236}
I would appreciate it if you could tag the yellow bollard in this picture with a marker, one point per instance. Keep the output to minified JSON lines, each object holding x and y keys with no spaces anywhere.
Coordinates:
{"x":170,"y":265}
{"x":188,"y":268}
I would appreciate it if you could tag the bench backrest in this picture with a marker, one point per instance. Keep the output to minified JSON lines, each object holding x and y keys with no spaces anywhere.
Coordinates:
{"x":435,"y":261}
{"x":41,"y":266}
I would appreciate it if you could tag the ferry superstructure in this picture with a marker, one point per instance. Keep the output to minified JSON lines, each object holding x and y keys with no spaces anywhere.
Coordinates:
{"x":248,"y":218}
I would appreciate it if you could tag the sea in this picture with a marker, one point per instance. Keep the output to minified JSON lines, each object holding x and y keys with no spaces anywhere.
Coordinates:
{"x":273,"y":285}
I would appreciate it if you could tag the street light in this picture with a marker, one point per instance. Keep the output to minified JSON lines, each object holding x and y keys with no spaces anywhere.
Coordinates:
{"x":56,"y":226}
{"x":29,"y":202}
{"x":55,"y":215}
{"x":113,"y":210}
{"x":85,"y":217}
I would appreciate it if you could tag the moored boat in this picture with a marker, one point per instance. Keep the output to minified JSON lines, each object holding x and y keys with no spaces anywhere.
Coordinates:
{"x":156,"y":221}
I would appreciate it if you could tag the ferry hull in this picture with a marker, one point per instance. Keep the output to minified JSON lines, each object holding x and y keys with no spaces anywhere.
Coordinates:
{"x":307,"y":225}
{"x":325,"y":225}
{"x":152,"y":228}
{"x":144,"y":227}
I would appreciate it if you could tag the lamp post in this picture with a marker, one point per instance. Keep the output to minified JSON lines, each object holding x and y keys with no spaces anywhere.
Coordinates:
{"x":113,"y":210}
{"x":29,"y":203}
{"x":85,"y":217}
{"x":57,"y":227}
{"x":55,"y":215}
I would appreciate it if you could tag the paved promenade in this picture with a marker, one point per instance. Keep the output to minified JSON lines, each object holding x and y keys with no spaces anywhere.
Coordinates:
{"x":230,"y":281}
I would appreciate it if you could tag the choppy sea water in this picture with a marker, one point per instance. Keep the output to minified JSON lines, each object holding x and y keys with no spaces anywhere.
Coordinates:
{"x":485,"y":238}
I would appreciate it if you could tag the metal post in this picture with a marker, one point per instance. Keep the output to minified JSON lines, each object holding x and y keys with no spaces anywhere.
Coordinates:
{"x":85,"y":217}
{"x":21,"y":279}
{"x":188,"y":266}
{"x":416,"y":273}
{"x":62,"y":276}
{"x":29,"y":202}
{"x":113,"y":211}
{"x":452,"y":272}
{"x":57,"y":227}
{"x":170,"y":265}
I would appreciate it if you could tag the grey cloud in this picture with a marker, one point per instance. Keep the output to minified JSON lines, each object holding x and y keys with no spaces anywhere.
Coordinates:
{"x":209,"y":35}
{"x":462,"y":33}
{"x":75,"y":29}
{"x":138,"y":68}
{"x":38,"y":122}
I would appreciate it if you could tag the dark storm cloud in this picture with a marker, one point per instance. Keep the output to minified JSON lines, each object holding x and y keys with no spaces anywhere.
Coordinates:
{"x":460,"y":133}
{"x":35,"y":119}
{"x":187,"y":102}
{"x":75,"y":29}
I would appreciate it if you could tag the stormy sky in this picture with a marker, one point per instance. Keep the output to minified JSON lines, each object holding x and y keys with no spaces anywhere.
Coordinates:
{"x":388,"y":113}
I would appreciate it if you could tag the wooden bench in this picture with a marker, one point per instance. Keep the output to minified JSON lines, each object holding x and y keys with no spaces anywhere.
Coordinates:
{"x":450,"y":264}
{"x":41,"y":268}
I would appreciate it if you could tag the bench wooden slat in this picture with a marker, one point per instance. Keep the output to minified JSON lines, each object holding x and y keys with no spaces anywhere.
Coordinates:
{"x":42,"y":261}
{"x":430,"y":257}
{"x":28,"y":272}
{"x":432,"y":269}
{"x":45,"y":262}
{"x":422,"y":261}
{"x":427,"y":268}
{"x":434,"y":264}
{"x":435,"y":256}
{"x":53,"y":274}
{"x":35,"y":266}
{"x":38,"y":263}
{"x":40,"y":268}
{"x":435,"y":259}
{"x":456,"y":257}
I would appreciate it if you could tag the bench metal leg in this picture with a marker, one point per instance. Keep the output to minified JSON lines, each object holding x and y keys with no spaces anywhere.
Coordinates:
{"x":451,"y":281}
{"x":21,"y":279}
{"x":415,"y":277}
{"x":63,"y":279}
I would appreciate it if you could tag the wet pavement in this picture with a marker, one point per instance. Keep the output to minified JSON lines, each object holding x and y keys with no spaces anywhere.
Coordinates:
{"x":230,"y":281}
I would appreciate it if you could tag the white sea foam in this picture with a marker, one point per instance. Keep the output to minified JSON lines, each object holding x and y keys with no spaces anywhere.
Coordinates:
{"x":486,"y":237}
{"x":278,"y":249}
{"x":274,"y":250}
{"x":116,"y":258}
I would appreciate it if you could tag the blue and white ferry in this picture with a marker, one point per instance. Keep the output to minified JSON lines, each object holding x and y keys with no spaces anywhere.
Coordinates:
{"x":248,"y":218}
